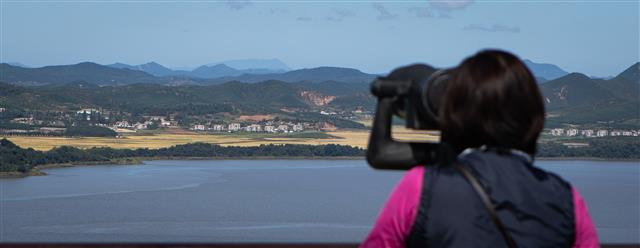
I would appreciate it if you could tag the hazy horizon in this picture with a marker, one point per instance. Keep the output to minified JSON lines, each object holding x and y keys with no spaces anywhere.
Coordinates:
{"x":373,"y":37}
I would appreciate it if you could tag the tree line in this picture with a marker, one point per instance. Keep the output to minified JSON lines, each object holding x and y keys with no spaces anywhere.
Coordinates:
{"x":14,"y":158}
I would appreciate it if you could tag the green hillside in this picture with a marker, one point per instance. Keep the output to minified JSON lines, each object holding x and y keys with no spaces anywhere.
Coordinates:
{"x":571,"y":99}
{"x":578,"y":99}
{"x":233,"y":98}
{"x":632,"y":73}
{"x":319,"y":74}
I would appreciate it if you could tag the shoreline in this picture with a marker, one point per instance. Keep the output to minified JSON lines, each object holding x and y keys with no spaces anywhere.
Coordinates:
{"x":37,"y":170}
{"x":588,"y":159}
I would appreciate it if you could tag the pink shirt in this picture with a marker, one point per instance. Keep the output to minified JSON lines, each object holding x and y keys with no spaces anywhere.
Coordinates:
{"x":396,"y":218}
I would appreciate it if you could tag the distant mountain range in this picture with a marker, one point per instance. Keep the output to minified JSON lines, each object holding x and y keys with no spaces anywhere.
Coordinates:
{"x":61,"y":74}
{"x":318,"y":74}
{"x":211,"y":70}
{"x":254,"y":70}
{"x":273,"y":65}
{"x":545,"y":72}
{"x":249,"y":70}
{"x":121,"y":74}
{"x":18,"y":64}
{"x":152,"y":68}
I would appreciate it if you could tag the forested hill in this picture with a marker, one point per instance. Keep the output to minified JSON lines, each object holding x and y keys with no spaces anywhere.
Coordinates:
{"x":579,"y":99}
{"x":233,"y":97}
{"x":570,"y":99}
{"x":632,"y":73}
{"x":319,"y":74}
{"x":87,"y":72}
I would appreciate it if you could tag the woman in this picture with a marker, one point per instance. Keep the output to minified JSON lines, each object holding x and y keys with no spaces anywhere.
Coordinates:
{"x":491,"y":117}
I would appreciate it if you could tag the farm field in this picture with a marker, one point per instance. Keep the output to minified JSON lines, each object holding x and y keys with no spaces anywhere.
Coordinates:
{"x":357,"y":138}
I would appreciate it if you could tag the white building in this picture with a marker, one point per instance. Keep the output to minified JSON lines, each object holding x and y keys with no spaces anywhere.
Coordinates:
{"x":87,"y":111}
{"x":122,"y":124}
{"x":572,"y":132}
{"x":253,"y":128}
{"x":602,"y":133}
{"x":283,"y":128}
{"x":159,"y":118}
{"x":234,"y":127}
{"x":218,"y":127}
{"x":199,"y":127}
{"x":627,"y":133}
{"x":557,"y":132}
{"x":616,"y":133}
{"x":587,"y":133}
{"x":270,"y":129}
{"x":297,"y":127}
{"x":2,"y":110}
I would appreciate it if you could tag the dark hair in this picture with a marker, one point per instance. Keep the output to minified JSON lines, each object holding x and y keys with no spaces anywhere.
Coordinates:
{"x":492,"y":99}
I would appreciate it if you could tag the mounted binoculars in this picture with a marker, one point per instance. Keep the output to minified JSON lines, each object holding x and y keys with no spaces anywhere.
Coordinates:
{"x":415,"y":94}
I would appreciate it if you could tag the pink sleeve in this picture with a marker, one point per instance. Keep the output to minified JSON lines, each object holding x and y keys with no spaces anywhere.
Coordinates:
{"x":396,"y":218}
{"x":586,"y":235}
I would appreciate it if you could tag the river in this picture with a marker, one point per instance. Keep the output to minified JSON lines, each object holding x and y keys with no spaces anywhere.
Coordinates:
{"x":254,"y":201}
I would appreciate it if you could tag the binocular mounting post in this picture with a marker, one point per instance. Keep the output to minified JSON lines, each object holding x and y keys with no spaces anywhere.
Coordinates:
{"x":385,"y":153}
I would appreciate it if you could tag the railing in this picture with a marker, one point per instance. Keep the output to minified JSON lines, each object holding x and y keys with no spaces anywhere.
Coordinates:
{"x":203,"y":245}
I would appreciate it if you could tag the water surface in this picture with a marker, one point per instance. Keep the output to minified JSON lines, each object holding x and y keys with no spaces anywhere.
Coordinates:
{"x":254,"y":200}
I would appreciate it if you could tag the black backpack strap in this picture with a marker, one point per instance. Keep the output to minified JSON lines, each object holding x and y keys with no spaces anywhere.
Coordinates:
{"x":487,"y":203}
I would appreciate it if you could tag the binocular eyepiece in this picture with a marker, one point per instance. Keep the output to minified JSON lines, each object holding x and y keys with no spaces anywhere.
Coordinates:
{"x":418,"y":91}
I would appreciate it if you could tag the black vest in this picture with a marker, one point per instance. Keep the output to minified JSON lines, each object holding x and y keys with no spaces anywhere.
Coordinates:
{"x":535,"y":206}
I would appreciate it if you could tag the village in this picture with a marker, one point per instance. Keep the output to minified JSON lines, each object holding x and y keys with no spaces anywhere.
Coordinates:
{"x":263,"y":126}
{"x":57,"y":125}
{"x":589,"y":133}
{"x":268,"y":127}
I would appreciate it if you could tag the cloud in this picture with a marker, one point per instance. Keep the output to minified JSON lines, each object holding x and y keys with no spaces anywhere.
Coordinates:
{"x":449,"y":5}
{"x":338,"y":14}
{"x":422,"y":12}
{"x":343,"y":13}
{"x":304,"y":19}
{"x":494,"y":28}
{"x":383,"y":13}
{"x":238,"y":4}
{"x":439,"y":8}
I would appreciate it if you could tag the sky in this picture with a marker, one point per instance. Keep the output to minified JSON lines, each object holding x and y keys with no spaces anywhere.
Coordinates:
{"x":598,"y":38}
